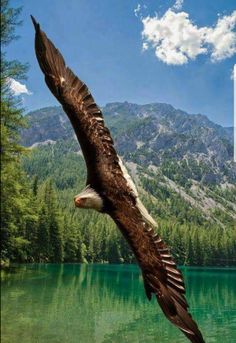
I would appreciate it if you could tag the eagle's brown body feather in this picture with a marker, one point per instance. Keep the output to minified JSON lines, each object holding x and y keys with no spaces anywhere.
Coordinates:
{"x":160,"y":274}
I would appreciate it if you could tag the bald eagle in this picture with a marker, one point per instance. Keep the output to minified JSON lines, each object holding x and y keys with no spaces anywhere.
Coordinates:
{"x":109,"y":189}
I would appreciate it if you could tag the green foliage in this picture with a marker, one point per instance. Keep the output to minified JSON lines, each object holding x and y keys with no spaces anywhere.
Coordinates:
{"x":92,"y":237}
{"x":49,"y":236}
{"x":9,"y":19}
{"x":16,"y":210}
{"x":198,"y":246}
{"x":43,"y":236}
{"x":170,"y":204}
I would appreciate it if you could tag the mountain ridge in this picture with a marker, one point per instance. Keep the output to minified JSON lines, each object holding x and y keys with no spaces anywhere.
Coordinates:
{"x":166,"y":150}
{"x":153,"y":109}
{"x":151,"y":134}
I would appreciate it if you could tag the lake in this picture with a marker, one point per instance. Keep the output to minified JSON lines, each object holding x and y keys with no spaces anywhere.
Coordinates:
{"x":79,"y":303}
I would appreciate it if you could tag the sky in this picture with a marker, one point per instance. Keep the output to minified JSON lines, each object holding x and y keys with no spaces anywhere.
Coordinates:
{"x":177,"y":52}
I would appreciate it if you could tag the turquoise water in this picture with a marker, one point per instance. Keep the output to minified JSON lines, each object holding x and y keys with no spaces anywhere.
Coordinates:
{"x":75,"y":303}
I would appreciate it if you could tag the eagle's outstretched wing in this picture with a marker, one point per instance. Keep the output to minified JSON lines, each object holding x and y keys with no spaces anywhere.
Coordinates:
{"x":85,"y":116}
{"x":105,"y":172}
{"x":160,"y":274}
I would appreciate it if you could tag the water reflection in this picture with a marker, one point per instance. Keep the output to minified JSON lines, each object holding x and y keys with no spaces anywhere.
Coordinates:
{"x":106,"y":303}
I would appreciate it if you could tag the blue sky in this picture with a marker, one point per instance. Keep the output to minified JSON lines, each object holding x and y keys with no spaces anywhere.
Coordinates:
{"x":102,"y":42}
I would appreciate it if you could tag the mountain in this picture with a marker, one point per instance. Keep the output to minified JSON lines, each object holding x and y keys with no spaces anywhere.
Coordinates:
{"x":52,"y":123}
{"x":170,"y":153}
{"x":153,"y":134}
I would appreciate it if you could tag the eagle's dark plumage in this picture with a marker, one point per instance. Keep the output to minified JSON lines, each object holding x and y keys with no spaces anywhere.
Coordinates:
{"x":106,"y":177}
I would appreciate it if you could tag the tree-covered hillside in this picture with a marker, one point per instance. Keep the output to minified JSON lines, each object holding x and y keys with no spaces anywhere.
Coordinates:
{"x":84,"y":235}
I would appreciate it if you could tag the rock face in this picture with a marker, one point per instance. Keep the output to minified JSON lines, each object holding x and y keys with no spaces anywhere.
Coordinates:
{"x":183,"y":145}
{"x":49,"y":123}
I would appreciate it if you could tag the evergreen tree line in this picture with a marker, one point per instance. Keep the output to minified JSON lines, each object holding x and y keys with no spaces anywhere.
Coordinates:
{"x":51,"y":233}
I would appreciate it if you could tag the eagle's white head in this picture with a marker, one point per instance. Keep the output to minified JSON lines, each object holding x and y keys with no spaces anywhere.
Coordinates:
{"x":89,"y":198}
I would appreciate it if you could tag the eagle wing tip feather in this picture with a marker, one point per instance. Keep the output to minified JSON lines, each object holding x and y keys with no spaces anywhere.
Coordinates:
{"x":36,"y":24}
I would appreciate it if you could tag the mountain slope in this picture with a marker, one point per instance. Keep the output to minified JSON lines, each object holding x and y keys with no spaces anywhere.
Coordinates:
{"x":182,"y":161}
{"x":153,"y":134}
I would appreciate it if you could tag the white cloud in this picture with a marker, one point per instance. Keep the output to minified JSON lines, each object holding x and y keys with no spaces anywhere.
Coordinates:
{"x":176,"y":39}
{"x":18,"y":88}
{"x":222,"y":37}
{"x":145,"y":46}
{"x":178,"y":4}
{"x":137,"y":10}
{"x":233,"y":74}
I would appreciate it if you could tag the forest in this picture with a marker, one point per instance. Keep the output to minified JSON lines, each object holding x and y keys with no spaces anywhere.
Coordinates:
{"x":38,"y":220}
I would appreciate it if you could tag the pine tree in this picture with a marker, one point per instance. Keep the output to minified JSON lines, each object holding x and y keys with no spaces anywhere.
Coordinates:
{"x":54,"y":222}
{"x":35,"y":186}
{"x":15,"y":194}
{"x":43,"y":236}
